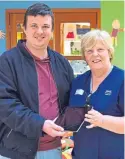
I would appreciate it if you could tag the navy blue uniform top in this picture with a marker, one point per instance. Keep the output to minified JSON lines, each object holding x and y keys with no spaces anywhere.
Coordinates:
{"x":108,"y":99}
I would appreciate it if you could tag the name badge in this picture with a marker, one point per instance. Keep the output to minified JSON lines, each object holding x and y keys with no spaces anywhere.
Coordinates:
{"x":79,"y":92}
{"x":108,"y":92}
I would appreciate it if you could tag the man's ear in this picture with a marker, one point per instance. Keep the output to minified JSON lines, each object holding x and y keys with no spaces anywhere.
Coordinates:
{"x":51,"y":38}
{"x":24,"y":30}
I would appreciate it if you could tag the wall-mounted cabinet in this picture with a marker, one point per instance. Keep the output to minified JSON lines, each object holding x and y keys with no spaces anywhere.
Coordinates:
{"x":69,"y":26}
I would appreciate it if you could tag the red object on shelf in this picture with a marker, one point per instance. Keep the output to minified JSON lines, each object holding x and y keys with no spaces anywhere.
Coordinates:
{"x":70,"y":35}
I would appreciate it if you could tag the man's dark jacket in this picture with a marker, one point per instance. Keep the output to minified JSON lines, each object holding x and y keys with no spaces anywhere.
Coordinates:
{"x":20,"y":122}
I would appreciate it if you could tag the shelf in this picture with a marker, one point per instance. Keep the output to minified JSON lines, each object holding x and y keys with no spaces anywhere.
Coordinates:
{"x":74,"y":57}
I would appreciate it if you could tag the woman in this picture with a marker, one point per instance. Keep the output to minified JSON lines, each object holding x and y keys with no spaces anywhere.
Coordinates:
{"x":101,"y":136}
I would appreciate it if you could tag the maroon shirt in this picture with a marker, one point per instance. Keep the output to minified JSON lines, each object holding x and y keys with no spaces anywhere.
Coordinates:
{"x":48,"y":100}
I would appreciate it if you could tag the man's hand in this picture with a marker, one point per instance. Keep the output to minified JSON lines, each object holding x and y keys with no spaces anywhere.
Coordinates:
{"x":52,"y":129}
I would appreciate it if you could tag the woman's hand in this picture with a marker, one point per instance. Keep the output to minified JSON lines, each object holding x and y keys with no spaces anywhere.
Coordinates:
{"x":94,"y":117}
{"x":111,"y":123}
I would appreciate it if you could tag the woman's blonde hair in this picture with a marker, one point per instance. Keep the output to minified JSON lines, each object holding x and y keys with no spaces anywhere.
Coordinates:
{"x":90,"y":39}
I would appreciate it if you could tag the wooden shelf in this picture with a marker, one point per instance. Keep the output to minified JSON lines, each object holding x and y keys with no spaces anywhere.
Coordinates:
{"x":74,"y":57}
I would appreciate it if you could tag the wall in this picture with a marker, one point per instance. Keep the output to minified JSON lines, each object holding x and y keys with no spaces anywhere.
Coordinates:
{"x":53,"y":4}
{"x":111,"y":10}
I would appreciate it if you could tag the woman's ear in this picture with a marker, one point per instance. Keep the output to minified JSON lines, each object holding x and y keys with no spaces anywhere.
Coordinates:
{"x":84,"y":58}
{"x":110,"y":54}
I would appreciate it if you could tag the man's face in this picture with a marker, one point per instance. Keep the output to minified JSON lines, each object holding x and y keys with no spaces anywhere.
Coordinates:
{"x":38,"y":31}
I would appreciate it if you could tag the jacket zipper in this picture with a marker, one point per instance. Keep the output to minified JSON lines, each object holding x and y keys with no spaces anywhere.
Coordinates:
{"x":56,"y":88}
{"x":9,"y":133}
{"x":37,"y":84}
{"x":37,"y":96}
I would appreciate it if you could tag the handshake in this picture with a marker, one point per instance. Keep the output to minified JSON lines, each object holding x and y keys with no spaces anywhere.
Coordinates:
{"x":71,"y":119}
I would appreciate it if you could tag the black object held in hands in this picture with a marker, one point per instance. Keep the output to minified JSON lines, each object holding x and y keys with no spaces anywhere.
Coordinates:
{"x":72,"y":118}
{"x":88,"y":106}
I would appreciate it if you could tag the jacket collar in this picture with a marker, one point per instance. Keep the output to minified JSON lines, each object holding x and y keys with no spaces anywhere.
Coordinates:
{"x":24,"y":51}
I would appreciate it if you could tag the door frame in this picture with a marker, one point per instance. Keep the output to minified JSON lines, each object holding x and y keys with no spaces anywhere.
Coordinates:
{"x":9,"y":12}
{"x":8,"y":27}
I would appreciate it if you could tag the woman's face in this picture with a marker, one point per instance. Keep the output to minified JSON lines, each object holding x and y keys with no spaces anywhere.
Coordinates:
{"x":98,"y":57}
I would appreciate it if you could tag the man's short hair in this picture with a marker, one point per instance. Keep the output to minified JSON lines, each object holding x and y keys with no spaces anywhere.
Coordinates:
{"x":38,"y":9}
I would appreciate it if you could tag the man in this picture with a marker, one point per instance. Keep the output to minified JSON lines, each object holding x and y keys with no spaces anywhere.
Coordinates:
{"x":34,"y":89}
